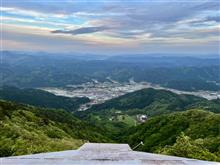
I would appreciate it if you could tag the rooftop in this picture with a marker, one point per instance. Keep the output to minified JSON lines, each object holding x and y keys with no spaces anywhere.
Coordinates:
{"x":101,"y":153}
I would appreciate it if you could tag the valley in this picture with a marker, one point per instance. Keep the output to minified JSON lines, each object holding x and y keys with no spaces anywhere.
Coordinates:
{"x":41,"y":121}
{"x":52,"y":103}
{"x":99,"y":92}
{"x":143,"y":77}
{"x":174,"y":120}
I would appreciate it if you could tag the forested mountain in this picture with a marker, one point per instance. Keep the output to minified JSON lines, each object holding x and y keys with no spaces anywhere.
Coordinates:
{"x":150,"y":102}
{"x":193,"y":134}
{"x":43,"y":70}
{"x":144,"y":73}
{"x":27,"y":129}
{"x":41,"y":98}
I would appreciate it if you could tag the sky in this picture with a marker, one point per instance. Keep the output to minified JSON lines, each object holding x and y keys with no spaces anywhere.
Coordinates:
{"x":111,"y":26}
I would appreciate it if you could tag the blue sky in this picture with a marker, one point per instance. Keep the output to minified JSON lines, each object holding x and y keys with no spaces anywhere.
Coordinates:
{"x":112,"y":27}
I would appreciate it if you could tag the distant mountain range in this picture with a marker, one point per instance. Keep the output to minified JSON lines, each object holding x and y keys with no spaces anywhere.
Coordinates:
{"x":43,"y":70}
{"x":181,"y":125}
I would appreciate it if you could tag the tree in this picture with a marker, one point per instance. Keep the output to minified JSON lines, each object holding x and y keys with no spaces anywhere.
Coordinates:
{"x":186,"y":147}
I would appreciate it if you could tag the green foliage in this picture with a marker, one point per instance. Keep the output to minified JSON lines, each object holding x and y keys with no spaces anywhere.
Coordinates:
{"x":130,"y":121}
{"x":154,"y":102}
{"x":147,"y":101}
{"x":27,"y":129}
{"x":193,"y":134}
{"x":171,"y":128}
{"x":186,"y":147}
{"x":41,"y":98}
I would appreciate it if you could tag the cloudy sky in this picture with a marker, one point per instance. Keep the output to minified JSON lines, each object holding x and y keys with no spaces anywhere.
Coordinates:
{"x":111,"y":26}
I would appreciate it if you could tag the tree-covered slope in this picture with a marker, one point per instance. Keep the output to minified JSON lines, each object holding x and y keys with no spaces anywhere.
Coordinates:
{"x":27,"y":129}
{"x":193,"y":133}
{"x":41,"y":98}
{"x":171,"y":127}
{"x":122,"y":112}
{"x":153,"y":102}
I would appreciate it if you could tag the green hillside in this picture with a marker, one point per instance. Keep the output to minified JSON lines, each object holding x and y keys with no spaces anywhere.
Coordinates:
{"x":27,"y":129}
{"x":154,"y":102}
{"x":121,"y":113}
{"x":41,"y":98}
{"x":193,"y":133}
{"x":171,"y":128}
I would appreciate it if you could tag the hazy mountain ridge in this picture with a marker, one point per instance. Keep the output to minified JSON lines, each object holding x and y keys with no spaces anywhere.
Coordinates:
{"x":184,"y":73}
{"x":112,"y":120}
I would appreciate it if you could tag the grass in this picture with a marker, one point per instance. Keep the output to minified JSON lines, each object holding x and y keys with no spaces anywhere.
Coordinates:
{"x":127,"y":120}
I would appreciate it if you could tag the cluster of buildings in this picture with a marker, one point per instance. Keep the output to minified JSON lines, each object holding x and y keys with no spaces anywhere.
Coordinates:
{"x":99,"y":92}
